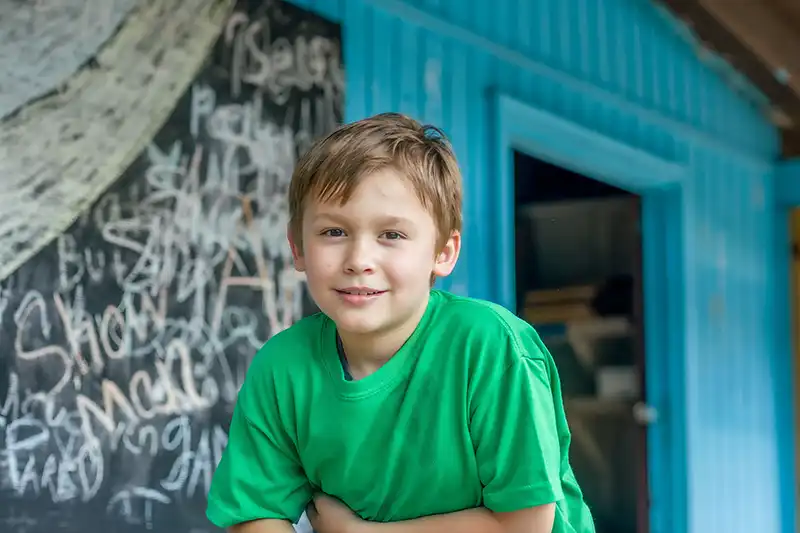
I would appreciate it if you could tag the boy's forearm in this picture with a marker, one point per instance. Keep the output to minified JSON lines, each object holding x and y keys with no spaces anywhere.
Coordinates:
{"x":262,"y":526}
{"x":478,"y":520}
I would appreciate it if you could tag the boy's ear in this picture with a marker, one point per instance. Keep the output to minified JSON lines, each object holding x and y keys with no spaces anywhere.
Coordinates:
{"x":447,"y":257}
{"x":297,"y":252}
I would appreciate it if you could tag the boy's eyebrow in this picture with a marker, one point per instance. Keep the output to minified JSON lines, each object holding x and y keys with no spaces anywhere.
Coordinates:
{"x":324,"y":215}
{"x":396,"y":221}
{"x":384,"y":221}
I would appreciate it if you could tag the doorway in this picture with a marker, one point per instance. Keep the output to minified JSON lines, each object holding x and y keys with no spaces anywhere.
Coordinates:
{"x":579,"y":282}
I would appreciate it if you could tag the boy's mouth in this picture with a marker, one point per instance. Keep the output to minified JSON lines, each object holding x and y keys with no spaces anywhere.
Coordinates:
{"x":359,"y":291}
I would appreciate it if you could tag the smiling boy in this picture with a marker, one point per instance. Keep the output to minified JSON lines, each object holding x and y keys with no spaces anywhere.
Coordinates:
{"x":398,"y":407}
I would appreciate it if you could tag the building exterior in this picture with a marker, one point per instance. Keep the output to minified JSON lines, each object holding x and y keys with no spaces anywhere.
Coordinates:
{"x":616,"y":90}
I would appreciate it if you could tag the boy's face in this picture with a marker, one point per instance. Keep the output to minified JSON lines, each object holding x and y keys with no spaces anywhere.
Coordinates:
{"x":368,"y":262}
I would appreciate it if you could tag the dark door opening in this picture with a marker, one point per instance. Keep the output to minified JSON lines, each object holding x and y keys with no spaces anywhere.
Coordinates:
{"x":578,"y":278}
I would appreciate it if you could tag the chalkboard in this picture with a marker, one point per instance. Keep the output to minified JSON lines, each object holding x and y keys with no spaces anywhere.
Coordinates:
{"x":124,"y":342}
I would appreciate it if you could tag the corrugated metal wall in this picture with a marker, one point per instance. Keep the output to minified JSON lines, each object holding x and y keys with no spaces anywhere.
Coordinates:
{"x":622,"y":68}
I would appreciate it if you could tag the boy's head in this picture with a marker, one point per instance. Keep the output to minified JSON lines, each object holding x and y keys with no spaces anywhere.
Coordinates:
{"x":375,"y":215}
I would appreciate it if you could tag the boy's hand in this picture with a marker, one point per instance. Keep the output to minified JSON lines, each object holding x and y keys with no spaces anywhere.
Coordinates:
{"x":329,"y":515}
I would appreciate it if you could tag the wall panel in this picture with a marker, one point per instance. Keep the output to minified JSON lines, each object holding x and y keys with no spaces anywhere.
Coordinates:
{"x":627,"y":70}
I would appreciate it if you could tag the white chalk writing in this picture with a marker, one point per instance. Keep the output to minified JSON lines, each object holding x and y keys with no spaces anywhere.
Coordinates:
{"x":132,"y":346}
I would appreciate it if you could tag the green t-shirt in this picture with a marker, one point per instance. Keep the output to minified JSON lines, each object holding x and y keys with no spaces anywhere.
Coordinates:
{"x":467,"y":413}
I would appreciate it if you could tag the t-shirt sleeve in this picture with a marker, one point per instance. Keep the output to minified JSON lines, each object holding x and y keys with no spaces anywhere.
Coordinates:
{"x":515,"y":433}
{"x":259,"y":475}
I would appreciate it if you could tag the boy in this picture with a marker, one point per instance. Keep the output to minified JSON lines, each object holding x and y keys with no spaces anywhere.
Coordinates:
{"x":398,"y":408}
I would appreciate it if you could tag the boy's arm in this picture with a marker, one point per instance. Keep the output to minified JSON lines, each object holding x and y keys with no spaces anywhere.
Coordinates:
{"x":335,"y":517}
{"x":259,"y":481}
{"x":263,"y":526}
{"x":533,"y":520}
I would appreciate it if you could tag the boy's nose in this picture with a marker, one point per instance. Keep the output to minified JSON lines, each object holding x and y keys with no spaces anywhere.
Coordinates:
{"x":359,"y":258}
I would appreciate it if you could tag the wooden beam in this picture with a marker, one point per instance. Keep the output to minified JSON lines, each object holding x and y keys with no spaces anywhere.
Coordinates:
{"x":760,"y":26}
{"x":791,"y":143}
{"x":724,"y":27}
{"x":788,"y":9}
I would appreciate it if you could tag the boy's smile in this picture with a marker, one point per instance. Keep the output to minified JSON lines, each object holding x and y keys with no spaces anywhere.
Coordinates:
{"x":368,"y":261}
{"x":359,"y":295}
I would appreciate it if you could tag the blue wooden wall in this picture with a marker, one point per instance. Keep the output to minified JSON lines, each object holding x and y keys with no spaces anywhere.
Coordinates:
{"x":625,"y":69}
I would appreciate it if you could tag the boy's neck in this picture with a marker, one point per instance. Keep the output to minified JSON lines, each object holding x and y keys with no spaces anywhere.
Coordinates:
{"x":365,"y":354}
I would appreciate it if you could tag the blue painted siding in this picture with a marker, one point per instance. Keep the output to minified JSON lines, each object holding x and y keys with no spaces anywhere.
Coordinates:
{"x":625,"y":69}
{"x":732,"y":372}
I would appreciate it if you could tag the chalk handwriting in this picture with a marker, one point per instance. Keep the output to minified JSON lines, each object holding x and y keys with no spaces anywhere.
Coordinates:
{"x":125,"y":342}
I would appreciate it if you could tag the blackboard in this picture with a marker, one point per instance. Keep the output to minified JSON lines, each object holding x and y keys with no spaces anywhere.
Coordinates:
{"x":124,"y":342}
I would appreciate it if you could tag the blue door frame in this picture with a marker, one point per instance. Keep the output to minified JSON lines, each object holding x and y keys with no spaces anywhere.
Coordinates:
{"x":538,"y":133}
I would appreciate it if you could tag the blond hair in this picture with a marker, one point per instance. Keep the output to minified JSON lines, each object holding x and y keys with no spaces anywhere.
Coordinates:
{"x":333,"y":167}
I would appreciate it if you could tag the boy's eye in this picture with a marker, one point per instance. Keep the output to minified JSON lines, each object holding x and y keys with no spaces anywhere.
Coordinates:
{"x":333,"y":232}
{"x":392,"y":235}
